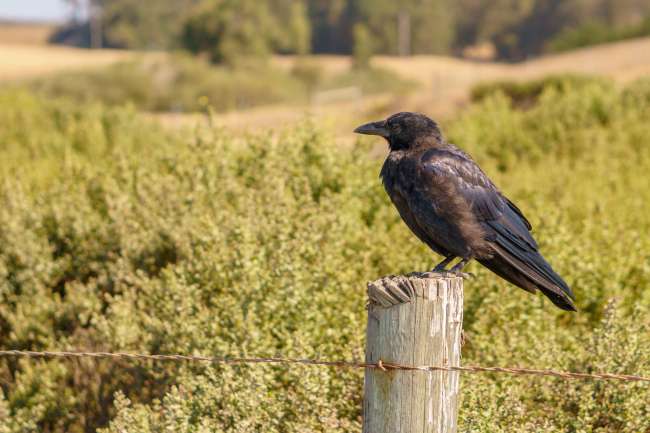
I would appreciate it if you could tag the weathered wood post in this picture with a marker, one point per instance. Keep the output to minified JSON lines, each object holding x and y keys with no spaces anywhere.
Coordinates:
{"x":413,"y":320}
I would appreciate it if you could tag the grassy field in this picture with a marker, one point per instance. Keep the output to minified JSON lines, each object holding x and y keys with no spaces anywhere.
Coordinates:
{"x":134,"y":237}
{"x":444,"y":86}
{"x":18,"y":62}
{"x":25,"y":33}
{"x":445,"y":83}
{"x":623,"y":61}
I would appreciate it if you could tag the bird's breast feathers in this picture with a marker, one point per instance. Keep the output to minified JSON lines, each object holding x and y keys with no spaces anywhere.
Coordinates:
{"x":429,"y":186}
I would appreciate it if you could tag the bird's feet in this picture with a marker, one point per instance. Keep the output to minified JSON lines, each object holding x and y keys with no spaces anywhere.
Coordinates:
{"x":448,"y":274}
{"x":463,"y":275}
{"x":458,"y":270}
{"x":441,"y":267}
{"x":455,"y":271}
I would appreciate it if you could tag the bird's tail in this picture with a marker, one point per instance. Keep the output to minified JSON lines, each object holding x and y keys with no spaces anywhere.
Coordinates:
{"x":530,"y":271}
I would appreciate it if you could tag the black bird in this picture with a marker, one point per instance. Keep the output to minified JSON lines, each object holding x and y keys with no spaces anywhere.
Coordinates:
{"x":444,"y":197}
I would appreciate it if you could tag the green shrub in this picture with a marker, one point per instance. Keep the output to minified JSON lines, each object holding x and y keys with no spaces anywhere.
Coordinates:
{"x":118,"y":235}
{"x":363,"y":49}
{"x":310,"y":73}
{"x":177,"y":83}
{"x":185,"y":84}
{"x":230,"y":30}
{"x":525,"y":94}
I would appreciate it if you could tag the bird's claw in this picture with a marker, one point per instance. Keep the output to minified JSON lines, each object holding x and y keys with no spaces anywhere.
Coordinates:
{"x":449,"y":274}
{"x":463,"y":275}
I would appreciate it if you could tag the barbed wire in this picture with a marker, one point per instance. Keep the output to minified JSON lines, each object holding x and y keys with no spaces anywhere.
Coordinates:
{"x":341,"y":364}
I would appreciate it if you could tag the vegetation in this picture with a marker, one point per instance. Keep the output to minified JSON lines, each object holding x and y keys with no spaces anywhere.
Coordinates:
{"x":362,"y":47}
{"x":373,"y":80}
{"x":597,"y":33}
{"x":145,"y":25}
{"x":186,"y":84}
{"x":525,"y":94}
{"x":179,"y":83}
{"x":226,"y":29}
{"x":232,"y":30}
{"x":117,"y":234}
{"x":152,"y":25}
{"x":229,"y":31}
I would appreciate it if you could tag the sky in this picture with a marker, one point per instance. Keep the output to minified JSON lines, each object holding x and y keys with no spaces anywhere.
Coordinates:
{"x":34,"y":10}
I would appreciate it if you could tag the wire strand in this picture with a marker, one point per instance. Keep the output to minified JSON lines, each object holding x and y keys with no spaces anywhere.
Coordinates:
{"x":319,"y":362}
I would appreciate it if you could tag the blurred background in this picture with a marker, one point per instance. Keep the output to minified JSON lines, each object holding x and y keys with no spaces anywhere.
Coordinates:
{"x":180,"y":176}
{"x":333,"y":58}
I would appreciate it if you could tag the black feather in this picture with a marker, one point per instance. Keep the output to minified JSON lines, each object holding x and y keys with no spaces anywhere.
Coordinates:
{"x":452,"y":206}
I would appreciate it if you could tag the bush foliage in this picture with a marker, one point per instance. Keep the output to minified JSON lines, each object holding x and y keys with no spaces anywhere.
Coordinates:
{"x":175,"y":83}
{"x":179,"y":83}
{"x":117,"y":235}
{"x":525,"y":94}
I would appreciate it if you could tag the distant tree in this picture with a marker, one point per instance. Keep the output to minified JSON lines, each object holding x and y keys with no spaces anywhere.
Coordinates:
{"x":527,"y":34}
{"x":331,"y":23}
{"x":381,"y":18}
{"x":468,"y":15}
{"x":229,"y":31}
{"x":150,"y":24}
{"x":362,"y":47}
{"x":300,"y":29}
{"x":225,"y":30}
{"x":137,"y":24}
{"x":523,"y":28}
{"x":431,"y":24}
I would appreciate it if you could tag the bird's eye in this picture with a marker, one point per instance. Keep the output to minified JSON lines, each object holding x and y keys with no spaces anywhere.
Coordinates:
{"x":395,"y":128}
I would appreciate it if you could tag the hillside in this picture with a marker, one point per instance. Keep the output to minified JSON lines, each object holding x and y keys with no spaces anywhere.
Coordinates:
{"x":622,"y":60}
{"x":448,"y":80}
{"x":445,"y":81}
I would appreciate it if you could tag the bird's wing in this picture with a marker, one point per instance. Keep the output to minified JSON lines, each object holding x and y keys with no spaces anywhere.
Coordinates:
{"x":507,"y":229}
{"x":485,"y":201}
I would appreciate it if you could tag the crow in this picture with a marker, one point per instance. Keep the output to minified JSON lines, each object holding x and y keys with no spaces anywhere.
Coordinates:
{"x":451,"y":205}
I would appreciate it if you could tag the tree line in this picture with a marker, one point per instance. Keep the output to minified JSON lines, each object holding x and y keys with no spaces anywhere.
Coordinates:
{"x":226,"y":30}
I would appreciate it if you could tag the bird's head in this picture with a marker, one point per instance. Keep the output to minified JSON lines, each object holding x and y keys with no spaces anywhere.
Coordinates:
{"x":405,"y":131}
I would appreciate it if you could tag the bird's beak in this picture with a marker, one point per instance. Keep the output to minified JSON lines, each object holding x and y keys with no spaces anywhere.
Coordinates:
{"x":373,"y":128}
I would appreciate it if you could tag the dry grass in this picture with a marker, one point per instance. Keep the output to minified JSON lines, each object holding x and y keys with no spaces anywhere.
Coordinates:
{"x":445,"y":82}
{"x":339,"y":118}
{"x":25,"y":33}
{"x":622,"y":60}
{"x":20,"y":55}
{"x":27,"y":61}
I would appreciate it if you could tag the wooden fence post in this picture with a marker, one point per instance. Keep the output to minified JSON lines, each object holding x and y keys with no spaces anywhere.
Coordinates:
{"x":413,"y":320}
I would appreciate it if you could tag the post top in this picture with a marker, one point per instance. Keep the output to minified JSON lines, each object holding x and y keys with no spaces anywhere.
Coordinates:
{"x":399,"y":289}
